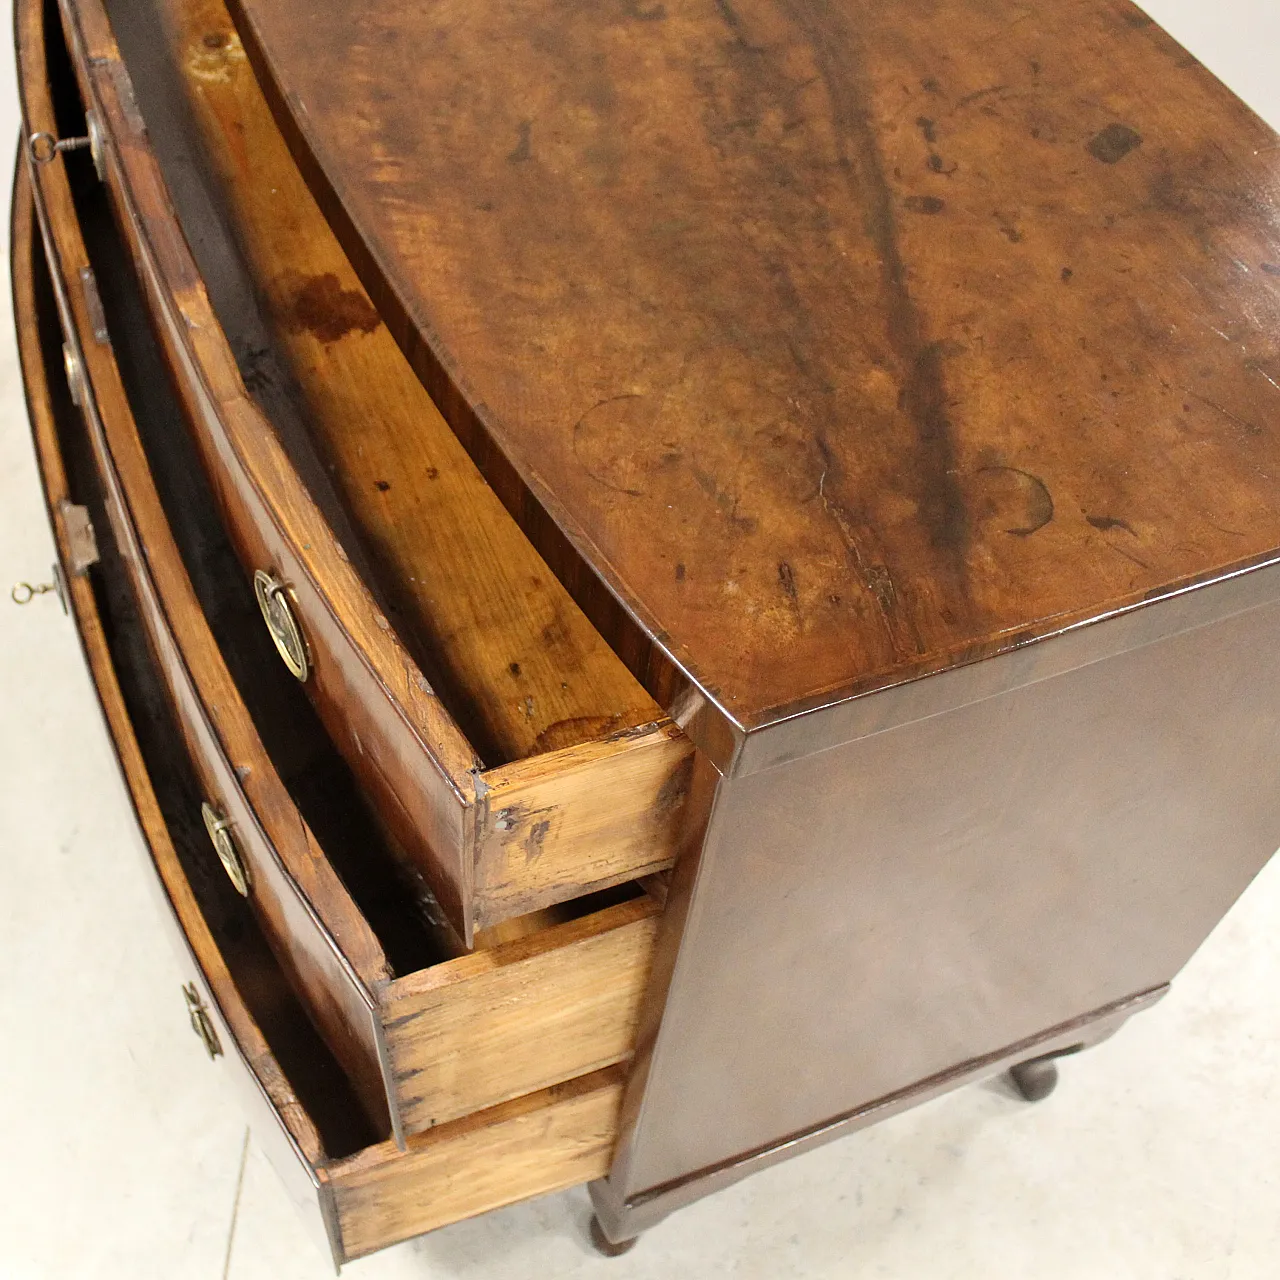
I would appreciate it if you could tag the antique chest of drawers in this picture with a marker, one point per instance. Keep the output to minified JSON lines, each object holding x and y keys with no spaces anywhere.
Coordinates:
{"x":666,"y":582}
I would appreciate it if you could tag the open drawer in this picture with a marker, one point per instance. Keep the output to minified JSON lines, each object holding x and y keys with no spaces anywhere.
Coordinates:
{"x":541,"y":1000}
{"x":515,"y":757}
{"x":359,"y":1191}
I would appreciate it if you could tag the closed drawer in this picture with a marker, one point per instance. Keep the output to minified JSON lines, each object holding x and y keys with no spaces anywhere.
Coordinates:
{"x":357,"y":1192}
{"x":515,"y":757}
{"x":425,"y":1032}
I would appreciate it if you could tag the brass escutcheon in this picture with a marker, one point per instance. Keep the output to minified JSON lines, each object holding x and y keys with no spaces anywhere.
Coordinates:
{"x":201,"y":1023}
{"x":273,"y":600}
{"x":224,"y":845}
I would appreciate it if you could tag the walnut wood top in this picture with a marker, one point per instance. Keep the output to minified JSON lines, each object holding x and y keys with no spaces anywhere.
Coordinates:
{"x":846,"y":341}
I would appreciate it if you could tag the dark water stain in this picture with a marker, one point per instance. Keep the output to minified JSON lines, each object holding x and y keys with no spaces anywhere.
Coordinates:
{"x":534,"y":840}
{"x":787,"y":580}
{"x":928,"y":128}
{"x":634,"y":9}
{"x":382,"y":485}
{"x":1008,"y":227}
{"x":1031,"y":505}
{"x":679,"y":573}
{"x":1269,"y":268}
{"x":575,"y":729}
{"x":931,"y":468}
{"x":978,"y":94}
{"x":514,"y":669}
{"x":1113,"y":143}
{"x":1104,"y":523}
{"x":675,"y":788}
{"x":523,"y":149}
{"x":323,"y":307}
{"x":924,"y":204}
{"x":1067,"y":273}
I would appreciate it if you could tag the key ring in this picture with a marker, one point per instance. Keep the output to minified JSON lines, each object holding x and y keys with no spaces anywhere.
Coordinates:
{"x":25,"y":593}
{"x":44,"y":146}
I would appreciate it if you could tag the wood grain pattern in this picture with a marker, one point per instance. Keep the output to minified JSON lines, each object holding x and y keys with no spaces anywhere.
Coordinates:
{"x":377,"y":704}
{"x":847,"y":341}
{"x":588,"y":816}
{"x":507,"y":1021}
{"x":321,"y":937}
{"x":503,"y":642}
{"x":528,"y":1147}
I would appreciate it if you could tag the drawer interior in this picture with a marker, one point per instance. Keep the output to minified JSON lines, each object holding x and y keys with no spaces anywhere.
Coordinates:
{"x":582,"y":804}
{"x":310,"y":1068}
{"x":502,"y":642}
{"x":398,"y":904}
{"x":438,"y":1019}
{"x":361,"y":1194}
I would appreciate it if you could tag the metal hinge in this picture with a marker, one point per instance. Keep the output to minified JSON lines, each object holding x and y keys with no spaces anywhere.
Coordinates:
{"x":82,"y":542}
{"x":201,"y":1022}
{"x":93,"y":305}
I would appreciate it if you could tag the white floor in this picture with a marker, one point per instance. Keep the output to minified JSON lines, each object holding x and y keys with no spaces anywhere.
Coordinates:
{"x":124,"y":1154}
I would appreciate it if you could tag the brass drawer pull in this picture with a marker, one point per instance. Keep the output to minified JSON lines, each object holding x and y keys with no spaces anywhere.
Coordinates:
{"x":224,"y":845}
{"x":273,"y":600}
{"x":201,"y":1023}
{"x":45,"y":148}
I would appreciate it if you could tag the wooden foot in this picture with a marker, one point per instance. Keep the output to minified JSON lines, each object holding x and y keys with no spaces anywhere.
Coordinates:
{"x":602,"y":1244}
{"x":1035,"y":1079}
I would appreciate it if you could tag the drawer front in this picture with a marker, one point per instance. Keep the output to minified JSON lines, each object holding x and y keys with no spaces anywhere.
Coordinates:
{"x":271,"y":844}
{"x":429,"y":1047}
{"x":488,"y":1027}
{"x":381,"y":1195}
{"x":230,"y":1035}
{"x":482,"y":861}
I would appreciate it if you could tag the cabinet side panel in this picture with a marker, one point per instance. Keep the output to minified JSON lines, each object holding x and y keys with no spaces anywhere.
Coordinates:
{"x":884,"y":911}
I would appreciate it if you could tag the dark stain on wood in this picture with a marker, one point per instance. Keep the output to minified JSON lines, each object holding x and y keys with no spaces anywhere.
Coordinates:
{"x":766,"y":267}
{"x":1011,"y":500}
{"x":523,"y":149}
{"x":329,"y":311}
{"x":534,"y":840}
{"x":924,"y":204}
{"x":1114,"y":143}
{"x":1105,"y":523}
{"x":565,"y":733}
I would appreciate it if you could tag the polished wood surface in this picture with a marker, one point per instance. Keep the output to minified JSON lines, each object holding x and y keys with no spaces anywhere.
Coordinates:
{"x":497,"y":633}
{"x":397,"y":733}
{"x":921,"y":897}
{"x":846,"y":341}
